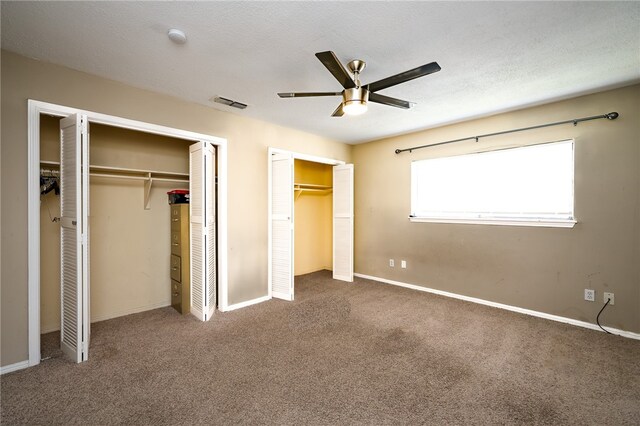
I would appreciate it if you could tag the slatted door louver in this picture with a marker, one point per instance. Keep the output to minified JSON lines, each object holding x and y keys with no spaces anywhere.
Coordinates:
{"x":281,"y":267}
{"x":74,"y":252}
{"x":343,"y":222}
{"x":202,"y":194}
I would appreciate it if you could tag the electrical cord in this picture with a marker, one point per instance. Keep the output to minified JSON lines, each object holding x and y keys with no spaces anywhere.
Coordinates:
{"x":598,"y":318}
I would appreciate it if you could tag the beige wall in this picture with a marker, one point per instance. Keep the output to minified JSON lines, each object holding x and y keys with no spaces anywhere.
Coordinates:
{"x":544,"y":269}
{"x":313,"y":225}
{"x":129,"y":245}
{"x":249,"y":139}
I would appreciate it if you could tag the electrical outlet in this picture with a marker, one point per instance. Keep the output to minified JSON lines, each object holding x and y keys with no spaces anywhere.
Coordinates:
{"x":403,"y":264}
{"x":589,"y":295}
{"x":610,"y":297}
{"x":392,"y":263}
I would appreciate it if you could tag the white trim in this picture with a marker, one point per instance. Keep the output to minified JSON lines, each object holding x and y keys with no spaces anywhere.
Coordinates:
{"x":247,"y":303}
{"x":306,"y":157}
{"x":270,"y":152}
{"x":33,"y":231}
{"x":14,"y":367}
{"x":538,"y":314}
{"x":35,"y":108}
{"x":112,"y":315}
{"x":568,"y":223}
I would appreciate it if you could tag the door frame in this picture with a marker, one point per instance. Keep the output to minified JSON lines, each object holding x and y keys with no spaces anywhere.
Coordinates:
{"x":295,"y":156}
{"x":35,"y":109}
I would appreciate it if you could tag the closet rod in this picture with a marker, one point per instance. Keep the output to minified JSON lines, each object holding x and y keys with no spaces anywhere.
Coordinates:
{"x":106,"y":175}
{"x":575,"y":121}
{"x":122,"y":170}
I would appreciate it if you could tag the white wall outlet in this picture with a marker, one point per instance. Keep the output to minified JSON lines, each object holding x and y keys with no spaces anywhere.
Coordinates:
{"x":610,"y":297}
{"x":392,"y":263}
{"x":589,"y":295}
{"x":403,"y":264}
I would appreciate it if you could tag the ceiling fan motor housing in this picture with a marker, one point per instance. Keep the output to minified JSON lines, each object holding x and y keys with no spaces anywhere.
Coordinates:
{"x":357,"y":94}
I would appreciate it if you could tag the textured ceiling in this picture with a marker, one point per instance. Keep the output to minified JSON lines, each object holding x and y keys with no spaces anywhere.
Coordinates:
{"x":494,"y":56}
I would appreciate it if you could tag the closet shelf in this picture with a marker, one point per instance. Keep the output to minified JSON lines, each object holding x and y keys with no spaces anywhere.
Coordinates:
{"x":148,"y":176}
{"x":299,"y":188}
{"x":126,"y":173}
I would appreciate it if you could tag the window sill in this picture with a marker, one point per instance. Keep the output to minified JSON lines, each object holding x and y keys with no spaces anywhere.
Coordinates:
{"x":549,"y":223}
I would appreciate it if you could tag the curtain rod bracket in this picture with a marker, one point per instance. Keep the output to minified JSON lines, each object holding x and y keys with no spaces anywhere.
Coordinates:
{"x":609,"y":116}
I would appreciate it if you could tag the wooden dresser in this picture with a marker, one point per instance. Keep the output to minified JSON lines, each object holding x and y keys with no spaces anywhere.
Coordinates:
{"x":180,"y":272}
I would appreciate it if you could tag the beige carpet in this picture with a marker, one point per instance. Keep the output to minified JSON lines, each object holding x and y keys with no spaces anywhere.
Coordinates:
{"x":361,"y":353}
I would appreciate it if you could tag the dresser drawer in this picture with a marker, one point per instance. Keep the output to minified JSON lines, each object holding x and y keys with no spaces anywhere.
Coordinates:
{"x":175,"y":243}
{"x":176,"y":295}
{"x":176,"y":217}
{"x":175,"y":268}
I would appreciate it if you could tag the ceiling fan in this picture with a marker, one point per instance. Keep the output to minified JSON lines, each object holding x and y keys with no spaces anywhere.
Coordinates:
{"x":356,"y":96}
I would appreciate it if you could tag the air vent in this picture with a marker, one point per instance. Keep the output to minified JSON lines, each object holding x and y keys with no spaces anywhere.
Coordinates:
{"x":229,"y":102}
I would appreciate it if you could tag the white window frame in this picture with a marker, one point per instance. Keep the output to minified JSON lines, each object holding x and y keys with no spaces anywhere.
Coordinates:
{"x":508,"y":221}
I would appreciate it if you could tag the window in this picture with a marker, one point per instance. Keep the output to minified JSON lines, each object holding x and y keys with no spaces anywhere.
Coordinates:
{"x":531,"y":185}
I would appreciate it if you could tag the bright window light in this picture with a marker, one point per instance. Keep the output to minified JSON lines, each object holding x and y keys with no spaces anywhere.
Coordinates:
{"x":532,"y":183}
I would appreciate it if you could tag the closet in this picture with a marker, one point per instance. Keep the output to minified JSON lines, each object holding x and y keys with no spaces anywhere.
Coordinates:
{"x":310,"y":219}
{"x":313,"y":205}
{"x":128,"y":231}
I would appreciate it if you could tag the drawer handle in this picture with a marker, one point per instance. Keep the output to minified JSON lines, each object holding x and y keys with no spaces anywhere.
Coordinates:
{"x":175,"y":219}
{"x":175,"y":244}
{"x":175,"y":294}
{"x":175,"y":268}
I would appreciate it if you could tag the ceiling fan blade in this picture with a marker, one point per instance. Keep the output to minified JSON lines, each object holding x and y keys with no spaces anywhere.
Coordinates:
{"x":308,"y":94}
{"x":334,"y":66}
{"x":404,"y":76}
{"x":386,"y":100}
{"x":339,"y":112}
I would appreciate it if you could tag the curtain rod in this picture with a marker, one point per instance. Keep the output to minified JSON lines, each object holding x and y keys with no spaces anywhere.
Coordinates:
{"x":575,"y":121}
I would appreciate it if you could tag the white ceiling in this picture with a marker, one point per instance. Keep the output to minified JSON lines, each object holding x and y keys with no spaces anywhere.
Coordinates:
{"x":494,"y":56}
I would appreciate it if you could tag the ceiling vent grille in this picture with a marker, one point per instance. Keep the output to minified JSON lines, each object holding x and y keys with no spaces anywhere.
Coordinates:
{"x":229,"y":102}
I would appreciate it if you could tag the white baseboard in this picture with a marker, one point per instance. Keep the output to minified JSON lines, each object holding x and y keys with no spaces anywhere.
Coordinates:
{"x":111,"y":315}
{"x":538,"y":314}
{"x":14,"y":367}
{"x":247,"y":303}
{"x":50,"y":329}
{"x":130,"y":311}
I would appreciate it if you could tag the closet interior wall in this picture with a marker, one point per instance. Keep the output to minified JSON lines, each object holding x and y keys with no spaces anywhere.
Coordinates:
{"x":313,"y":221}
{"x":129,"y":245}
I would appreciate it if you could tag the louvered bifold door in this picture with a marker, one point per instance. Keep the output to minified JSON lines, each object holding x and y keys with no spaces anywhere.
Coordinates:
{"x":281,"y":232}
{"x":343,"y":222}
{"x":202,"y":229}
{"x":211,"y":287}
{"x":74,"y":283}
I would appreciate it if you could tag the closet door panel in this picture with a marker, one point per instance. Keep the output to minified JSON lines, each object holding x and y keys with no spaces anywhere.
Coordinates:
{"x":74,"y":327}
{"x":343,"y":222}
{"x":281,"y":232}
{"x":210,"y":232}
{"x":202,"y":230}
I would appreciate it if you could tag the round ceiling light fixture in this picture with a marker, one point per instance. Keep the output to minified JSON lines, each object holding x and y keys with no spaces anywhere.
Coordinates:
{"x":177,"y":36}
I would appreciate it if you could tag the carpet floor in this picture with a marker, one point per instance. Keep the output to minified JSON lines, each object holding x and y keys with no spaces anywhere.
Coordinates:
{"x":360,"y":353}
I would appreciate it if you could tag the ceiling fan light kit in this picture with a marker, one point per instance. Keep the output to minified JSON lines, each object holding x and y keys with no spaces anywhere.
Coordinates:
{"x":355,"y":101}
{"x":355,"y":97}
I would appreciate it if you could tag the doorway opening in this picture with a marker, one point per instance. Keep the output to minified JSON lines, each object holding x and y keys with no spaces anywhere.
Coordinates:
{"x":205,"y":165}
{"x":320,"y":224}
